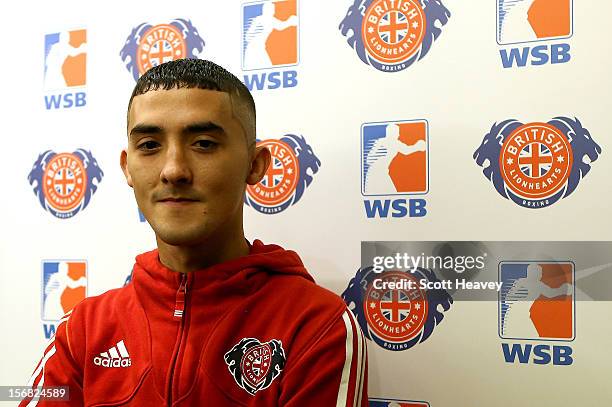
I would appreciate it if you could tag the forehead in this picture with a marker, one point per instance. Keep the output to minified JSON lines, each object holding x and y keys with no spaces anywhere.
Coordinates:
{"x":180,"y":105}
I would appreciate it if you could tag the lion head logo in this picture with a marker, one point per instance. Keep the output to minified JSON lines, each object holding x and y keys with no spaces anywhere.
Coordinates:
{"x":293,"y":166}
{"x":392,"y":31}
{"x":255,"y":365}
{"x":36,"y":175}
{"x":536,"y":164}
{"x":94,"y":173}
{"x":64,"y":183}
{"x":309,"y":163}
{"x":162,"y":47}
{"x":383,"y":313}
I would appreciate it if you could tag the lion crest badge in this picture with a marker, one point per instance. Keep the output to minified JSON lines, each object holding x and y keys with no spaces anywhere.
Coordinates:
{"x":65,"y":182}
{"x":396,"y":319}
{"x":289,"y":174}
{"x":150,"y":45}
{"x":536,"y":164}
{"x":255,"y":365}
{"x":391,"y":35}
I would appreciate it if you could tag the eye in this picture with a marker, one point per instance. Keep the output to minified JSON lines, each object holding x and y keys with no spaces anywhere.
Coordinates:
{"x":206,"y":144}
{"x":148,"y":145}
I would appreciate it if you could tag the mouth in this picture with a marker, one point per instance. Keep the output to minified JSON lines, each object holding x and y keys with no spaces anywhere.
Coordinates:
{"x":176,"y":201}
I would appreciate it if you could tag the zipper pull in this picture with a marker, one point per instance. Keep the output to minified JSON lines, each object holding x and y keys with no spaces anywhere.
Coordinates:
{"x":179,"y":306}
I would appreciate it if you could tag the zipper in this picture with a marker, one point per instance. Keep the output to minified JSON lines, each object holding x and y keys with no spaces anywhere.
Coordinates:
{"x":179,"y":312}
{"x":179,"y":306}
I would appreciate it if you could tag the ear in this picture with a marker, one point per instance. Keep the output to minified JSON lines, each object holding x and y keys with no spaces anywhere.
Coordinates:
{"x":124,"y":168}
{"x":259,"y":165}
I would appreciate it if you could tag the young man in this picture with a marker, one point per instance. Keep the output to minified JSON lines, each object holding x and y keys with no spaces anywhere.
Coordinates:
{"x":208,"y":319}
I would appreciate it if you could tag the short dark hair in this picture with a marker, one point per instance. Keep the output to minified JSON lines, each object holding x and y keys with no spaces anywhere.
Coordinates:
{"x":193,"y":73}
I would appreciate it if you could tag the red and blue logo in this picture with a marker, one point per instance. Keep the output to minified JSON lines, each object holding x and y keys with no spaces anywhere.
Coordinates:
{"x":534,"y":21}
{"x":392,"y":35}
{"x":64,"y":285}
{"x":269,"y":34}
{"x":537,"y":303}
{"x":150,"y":45}
{"x":65,"y":182}
{"x":270,"y":41}
{"x":65,"y":69}
{"x":396,"y":403}
{"x":394,"y":161}
{"x":396,"y":318}
{"x":537,"y":164}
{"x":289,"y":174}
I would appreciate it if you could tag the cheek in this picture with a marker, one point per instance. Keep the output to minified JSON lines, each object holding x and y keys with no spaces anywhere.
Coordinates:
{"x":227,"y":177}
{"x":143,"y":179}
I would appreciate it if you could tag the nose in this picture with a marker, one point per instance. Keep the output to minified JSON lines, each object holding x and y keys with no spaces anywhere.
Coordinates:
{"x":176,"y":168}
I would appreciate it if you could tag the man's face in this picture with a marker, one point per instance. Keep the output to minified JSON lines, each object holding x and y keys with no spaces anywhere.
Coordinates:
{"x":188,"y":162}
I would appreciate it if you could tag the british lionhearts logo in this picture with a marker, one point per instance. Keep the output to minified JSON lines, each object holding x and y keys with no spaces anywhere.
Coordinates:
{"x":396,"y":403}
{"x":536,"y":164}
{"x":288,"y":176}
{"x":529,"y":21}
{"x":64,"y":183}
{"x":150,"y":45}
{"x":64,"y":284}
{"x":537,"y":303}
{"x":396,"y":318}
{"x":65,"y":69}
{"x":394,"y":161}
{"x":391,"y":35}
{"x":255,"y":365}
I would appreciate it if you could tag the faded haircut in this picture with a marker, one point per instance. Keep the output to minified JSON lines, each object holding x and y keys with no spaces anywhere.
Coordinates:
{"x":201,"y":74}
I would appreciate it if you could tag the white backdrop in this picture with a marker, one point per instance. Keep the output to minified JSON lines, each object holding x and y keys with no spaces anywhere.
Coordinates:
{"x":459,"y":87}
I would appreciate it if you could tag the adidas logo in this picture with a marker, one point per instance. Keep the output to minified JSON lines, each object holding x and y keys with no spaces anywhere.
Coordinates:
{"x":117,"y":356}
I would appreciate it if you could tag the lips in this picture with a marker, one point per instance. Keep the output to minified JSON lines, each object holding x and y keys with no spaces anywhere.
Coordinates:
{"x":177,"y":200}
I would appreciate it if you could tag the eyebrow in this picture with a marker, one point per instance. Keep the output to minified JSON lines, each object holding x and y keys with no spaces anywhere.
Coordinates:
{"x":203,"y":127}
{"x":144,"y":129}
{"x":193,"y":128}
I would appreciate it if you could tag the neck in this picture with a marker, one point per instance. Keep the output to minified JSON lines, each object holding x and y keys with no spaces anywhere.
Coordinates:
{"x":185,"y":259}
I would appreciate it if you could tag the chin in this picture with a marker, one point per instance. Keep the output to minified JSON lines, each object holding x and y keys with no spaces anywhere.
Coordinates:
{"x":180,"y":235}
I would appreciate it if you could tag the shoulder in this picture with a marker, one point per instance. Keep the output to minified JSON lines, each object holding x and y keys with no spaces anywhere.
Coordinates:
{"x":104,"y":303}
{"x":298,"y":294}
{"x":298,"y":310}
{"x":97,"y":316}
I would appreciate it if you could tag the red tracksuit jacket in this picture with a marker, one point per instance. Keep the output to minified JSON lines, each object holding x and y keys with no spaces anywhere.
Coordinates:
{"x":254,"y":331}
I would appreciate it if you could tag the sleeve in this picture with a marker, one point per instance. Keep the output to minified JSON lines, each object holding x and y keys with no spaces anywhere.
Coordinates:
{"x":332,"y":372}
{"x":57,"y":367}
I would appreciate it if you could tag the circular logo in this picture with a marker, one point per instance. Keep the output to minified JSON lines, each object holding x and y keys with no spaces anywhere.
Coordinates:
{"x":395,"y":307}
{"x":393,"y":31}
{"x":536,"y":160}
{"x":280,"y":181}
{"x":65,"y":181}
{"x":161,"y":43}
{"x":255,"y":364}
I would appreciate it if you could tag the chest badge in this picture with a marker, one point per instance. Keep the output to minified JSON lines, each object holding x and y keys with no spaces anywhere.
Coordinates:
{"x":255,"y":365}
